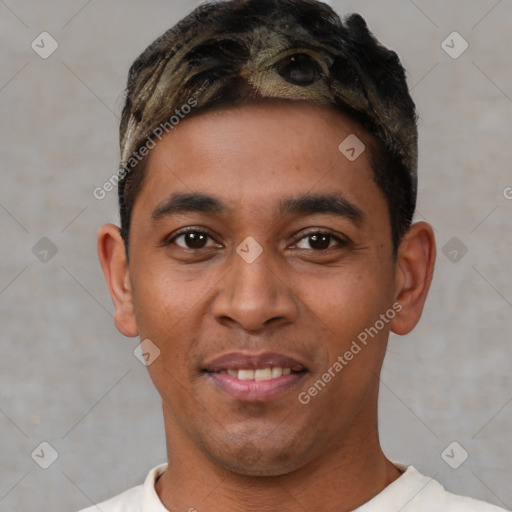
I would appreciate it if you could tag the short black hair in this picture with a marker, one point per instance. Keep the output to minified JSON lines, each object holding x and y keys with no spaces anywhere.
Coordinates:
{"x":235,"y":51}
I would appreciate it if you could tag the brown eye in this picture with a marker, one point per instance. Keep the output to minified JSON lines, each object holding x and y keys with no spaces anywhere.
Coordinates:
{"x":192,"y":239}
{"x":195,"y":240}
{"x":319,"y":241}
{"x":299,"y":69}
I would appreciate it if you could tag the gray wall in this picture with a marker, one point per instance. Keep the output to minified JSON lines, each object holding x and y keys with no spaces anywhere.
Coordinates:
{"x":67,"y":377}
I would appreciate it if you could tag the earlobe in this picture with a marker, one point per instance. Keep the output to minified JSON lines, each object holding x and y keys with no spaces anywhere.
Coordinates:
{"x":414,"y":271}
{"x":111,"y":253}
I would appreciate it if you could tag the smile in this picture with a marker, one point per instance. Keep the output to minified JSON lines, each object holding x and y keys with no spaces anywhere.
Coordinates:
{"x":259,"y":374}
{"x":255,"y":377}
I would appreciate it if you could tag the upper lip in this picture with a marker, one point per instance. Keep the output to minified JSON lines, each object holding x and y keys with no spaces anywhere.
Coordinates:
{"x":248,"y":361}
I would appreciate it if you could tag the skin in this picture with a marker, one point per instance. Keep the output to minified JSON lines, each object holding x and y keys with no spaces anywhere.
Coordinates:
{"x":299,"y":298}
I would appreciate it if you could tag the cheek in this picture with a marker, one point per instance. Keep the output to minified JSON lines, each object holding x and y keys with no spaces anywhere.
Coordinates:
{"x":163,"y":311}
{"x":350,"y":301}
{"x":160,"y":306}
{"x":350,"y":308}
{"x":162,"y":294}
{"x":171,"y":308}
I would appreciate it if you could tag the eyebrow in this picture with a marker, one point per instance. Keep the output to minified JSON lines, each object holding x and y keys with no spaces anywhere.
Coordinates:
{"x":308,"y":204}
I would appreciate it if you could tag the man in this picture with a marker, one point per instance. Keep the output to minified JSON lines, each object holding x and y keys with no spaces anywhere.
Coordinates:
{"x":266,"y":251}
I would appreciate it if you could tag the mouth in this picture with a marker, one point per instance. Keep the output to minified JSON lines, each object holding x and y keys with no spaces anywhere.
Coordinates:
{"x":258,"y":374}
{"x":255,"y":377}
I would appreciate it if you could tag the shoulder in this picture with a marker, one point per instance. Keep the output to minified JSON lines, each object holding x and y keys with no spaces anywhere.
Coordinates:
{"x":462,"y":503}
{"x":427,"y":495}
{"x":142,"y":497}
{"x":449,"y":502}
{"x":128,"y":501}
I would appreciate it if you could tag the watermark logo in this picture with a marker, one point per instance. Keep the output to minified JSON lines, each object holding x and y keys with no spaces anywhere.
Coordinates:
{"x":44,"y":250}
{"x":352,"y":147}
{"x":454,"y":455}
{"x":355,"y":348}
{"x":147,"y":352}
{"x":44,"y":455}
{"x":249,"y":250}
{"x":454,"y":45}
{"x":44,"y":45}
{"x":455,"y":249}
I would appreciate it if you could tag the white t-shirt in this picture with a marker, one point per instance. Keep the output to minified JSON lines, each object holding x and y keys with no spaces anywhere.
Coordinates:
{"x":411,"y":492}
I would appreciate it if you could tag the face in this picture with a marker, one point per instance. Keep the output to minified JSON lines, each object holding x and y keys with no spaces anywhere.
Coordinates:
{"x":259,"y":253}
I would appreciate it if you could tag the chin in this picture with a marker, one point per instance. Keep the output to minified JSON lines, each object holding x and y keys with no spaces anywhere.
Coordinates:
{"x":257,"y":458}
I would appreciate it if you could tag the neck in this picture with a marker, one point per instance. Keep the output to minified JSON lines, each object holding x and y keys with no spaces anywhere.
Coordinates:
{"x":340,"y":480}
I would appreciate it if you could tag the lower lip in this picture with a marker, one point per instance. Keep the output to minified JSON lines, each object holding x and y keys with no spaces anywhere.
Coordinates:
{"x":255,"y":390}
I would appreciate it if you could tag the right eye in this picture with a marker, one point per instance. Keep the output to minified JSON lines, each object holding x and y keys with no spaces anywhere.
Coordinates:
{"x":191,"y":239}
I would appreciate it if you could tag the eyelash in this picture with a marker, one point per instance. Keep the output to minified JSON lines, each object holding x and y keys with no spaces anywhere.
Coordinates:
{"x":342,"y":242}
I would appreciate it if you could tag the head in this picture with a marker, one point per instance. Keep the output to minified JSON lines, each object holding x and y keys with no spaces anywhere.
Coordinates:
{"x":251,"y":239}
{"x":234,"y":52}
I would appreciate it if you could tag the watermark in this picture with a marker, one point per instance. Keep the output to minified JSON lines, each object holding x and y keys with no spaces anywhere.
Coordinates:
{"x":454,"y":455}
{"x":146,"y":352}
{"x":44,"y":45}
{"x":454,"y":249}
{"x":44,"y":250}
{"x":507,"y":193}
{"x":44,"y":455}
{"x":352,"y":147}
{"x":454,"y":45}
{"x":249,"y":250}
{"x":101,"y":192}
{"x":355,"y":348}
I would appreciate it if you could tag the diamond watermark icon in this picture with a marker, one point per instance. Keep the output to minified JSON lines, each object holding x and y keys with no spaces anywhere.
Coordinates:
{"x":146,"y":352}
{"x":454,"y":45}
{"x":44,"y":455}
{"x":352,"y":147}
{"x":454,"y":455}
{"x":249,"y":250}
{"x":454,"y":249}
{"x":44,"y":250}
{"x":44,"y":45}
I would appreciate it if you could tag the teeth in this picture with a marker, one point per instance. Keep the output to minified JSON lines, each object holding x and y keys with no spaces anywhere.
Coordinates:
{"x":246,"y":374}
{"x":263,"y":374}
{"x":277,"y":372}
{"x":259,"y":374}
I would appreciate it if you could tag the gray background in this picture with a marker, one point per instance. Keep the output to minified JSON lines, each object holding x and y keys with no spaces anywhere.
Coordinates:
{"x":69,"y":378}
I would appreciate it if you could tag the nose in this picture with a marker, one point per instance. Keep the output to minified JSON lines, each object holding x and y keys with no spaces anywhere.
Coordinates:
{"x":255,"y":295}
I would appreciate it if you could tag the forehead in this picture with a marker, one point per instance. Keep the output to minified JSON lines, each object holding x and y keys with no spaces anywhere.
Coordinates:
{"x":270,"y":130}
{"x":261,"y":151}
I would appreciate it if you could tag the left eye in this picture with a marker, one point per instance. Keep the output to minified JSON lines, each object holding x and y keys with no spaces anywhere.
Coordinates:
{"x":192,"y":240}
{"x":320,"y":241}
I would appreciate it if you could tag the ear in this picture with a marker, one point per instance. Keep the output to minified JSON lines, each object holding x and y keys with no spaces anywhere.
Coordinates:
{"x":414,"y":269}
{"x":111,"y":252}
